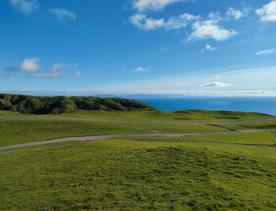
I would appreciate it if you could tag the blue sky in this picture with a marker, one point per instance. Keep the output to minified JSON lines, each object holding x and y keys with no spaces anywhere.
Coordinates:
{"x":178,"y":47}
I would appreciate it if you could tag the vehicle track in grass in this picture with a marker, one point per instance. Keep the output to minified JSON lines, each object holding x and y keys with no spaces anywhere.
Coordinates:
{"x":103,"y":137}
{"x":194,"y":122}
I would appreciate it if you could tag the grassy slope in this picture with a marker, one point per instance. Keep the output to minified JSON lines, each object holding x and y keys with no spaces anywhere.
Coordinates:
{"x":122,"y":174}
{"x":259,"y":139}
{"x":8,"y":113}
{"x":22,"y":131}
{"x":165,"y":116}
{"x":16,"y":131}
{"x":192,"y":173}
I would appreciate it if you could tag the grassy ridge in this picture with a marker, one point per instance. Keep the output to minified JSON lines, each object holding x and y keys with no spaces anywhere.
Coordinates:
{"x":55,"y":105}
{"x":124,"y":175}
{"x":204,"y":114}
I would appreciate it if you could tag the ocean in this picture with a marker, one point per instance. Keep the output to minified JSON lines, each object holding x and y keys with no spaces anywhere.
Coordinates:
{"x":247,"y":104}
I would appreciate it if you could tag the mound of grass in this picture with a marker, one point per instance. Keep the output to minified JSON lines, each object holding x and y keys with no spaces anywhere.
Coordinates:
{"x":123,"y":175}
{"x":56,"y":105}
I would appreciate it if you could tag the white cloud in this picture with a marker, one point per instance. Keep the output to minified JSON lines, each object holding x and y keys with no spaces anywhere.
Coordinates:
{"x":210,"y":48}
{"x":25,"y":6}
{"x":63,"y":14}
{"x":265,"y":52}
{"x":141,"y":69}
{"x":235,"y":14}
{"x":144,"y":22}
{"x":54,"y":73}
{"x":268,"y":12}
{"x":201,"y":29}
{"x":210,"y":29}
{"x":142,"y":5}
{"x":216,"y":84}
{"x":30,"y":65}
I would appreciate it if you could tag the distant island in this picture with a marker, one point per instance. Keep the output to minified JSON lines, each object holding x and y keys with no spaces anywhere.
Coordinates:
{"x":55,"y":105}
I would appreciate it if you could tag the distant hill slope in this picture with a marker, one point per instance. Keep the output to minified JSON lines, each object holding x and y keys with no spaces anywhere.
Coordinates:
{"x":206,"y":114}
{"x":55,"y":105}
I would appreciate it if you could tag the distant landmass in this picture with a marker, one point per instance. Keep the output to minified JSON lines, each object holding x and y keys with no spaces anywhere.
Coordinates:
{"x":55,"y":105}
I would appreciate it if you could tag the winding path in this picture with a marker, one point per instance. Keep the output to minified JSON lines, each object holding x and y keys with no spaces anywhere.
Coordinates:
{"x":102,"y":137}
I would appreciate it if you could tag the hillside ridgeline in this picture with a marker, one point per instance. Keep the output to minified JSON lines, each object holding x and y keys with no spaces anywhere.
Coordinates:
{"x":56,"y":105}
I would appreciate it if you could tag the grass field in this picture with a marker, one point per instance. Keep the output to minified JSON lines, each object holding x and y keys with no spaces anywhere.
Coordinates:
{"x":165,"y":116}
{"x":17,"y":130}
{"x":202,"y":172}
{"x":125,"y":174}
{"x":23,"y":131}
{"x":8,"y":113}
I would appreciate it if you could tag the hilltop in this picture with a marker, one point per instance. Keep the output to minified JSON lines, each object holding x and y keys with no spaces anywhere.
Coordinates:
{"x":55,"y":105}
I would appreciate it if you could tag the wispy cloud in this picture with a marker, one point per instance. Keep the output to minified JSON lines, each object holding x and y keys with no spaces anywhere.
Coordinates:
{"x":233,"y":13}
{"x":146,"y":23}
{"x":25,"y":6}
{"x":238,"y":82}
{"x":63,"y":14}
{"x":142,"y":5}
{"x":141,"y":69}
{"x":31,"y":67}
{"x":77,"y":73}
{"x":28,"y":65}
{"x":54,"y":73}
{"x":237,"y":14}
{"x":268,"y":12}
{"x":265,"y":52}
{"x":210,"y":48}
{"x":216,"y":84}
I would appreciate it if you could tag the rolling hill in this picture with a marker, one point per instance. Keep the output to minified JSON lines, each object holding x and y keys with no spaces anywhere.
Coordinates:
{"x":56,"y":105}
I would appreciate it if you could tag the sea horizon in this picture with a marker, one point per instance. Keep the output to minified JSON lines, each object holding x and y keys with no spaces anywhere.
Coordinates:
{"x":259,"y":104}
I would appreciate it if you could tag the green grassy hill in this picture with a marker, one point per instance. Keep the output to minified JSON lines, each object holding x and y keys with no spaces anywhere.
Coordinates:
{"x":55,"y":105}
{"x":216,"y":170}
